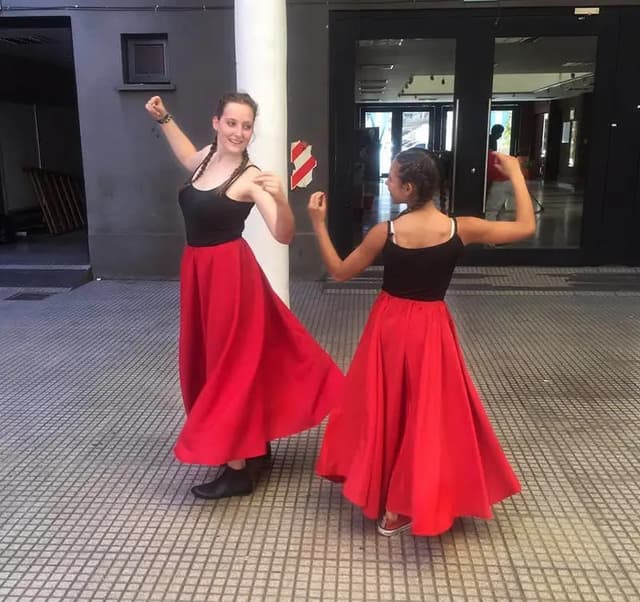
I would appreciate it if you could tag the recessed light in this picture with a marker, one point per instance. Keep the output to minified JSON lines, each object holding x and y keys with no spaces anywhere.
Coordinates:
{"x":381,"y":66}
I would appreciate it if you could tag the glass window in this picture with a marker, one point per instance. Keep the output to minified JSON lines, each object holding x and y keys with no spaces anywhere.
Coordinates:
{"x":382,"y":120}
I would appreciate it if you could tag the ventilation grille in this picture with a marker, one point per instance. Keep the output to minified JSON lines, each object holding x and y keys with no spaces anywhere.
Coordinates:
{"x":31,"y":40}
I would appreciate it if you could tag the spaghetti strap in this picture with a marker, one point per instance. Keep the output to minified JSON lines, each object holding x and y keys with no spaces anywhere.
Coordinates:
{"x":454,"y":227}
{"x":224,"y":185}
{"x":230,"y":182}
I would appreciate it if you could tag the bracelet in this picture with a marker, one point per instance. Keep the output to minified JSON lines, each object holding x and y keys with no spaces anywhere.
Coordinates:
{"x":166,"y":119}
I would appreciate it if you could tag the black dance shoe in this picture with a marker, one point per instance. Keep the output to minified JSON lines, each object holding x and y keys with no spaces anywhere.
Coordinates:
{"x":259,"y":463}
{"x":229,"y":484}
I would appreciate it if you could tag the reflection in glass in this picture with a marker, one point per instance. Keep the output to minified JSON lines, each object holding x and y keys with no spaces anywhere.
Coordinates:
{"x":500,"y":131}
{"x":572,"y":143}
{"x":542,"y":89}
{"x":415,"y":129}
{"x":404,"y":88}
{"x":545,"y":135}
{"x":382,"y":121}
{"x":448,"y":140}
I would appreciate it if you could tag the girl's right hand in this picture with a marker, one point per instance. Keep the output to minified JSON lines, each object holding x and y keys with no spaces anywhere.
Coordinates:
{"x":317,"y":207}
{"x":507,"y":165}
{"x":155,"y":107}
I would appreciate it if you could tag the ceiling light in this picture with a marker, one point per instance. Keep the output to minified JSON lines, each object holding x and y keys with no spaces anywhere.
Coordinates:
{"x":381,"y":66}
{"x":382,"y":42}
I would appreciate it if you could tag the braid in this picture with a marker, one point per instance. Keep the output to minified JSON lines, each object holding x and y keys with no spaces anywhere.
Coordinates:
{"x":205,"y":161}
{"x":420,"y":168}
{"x":236,"y":173}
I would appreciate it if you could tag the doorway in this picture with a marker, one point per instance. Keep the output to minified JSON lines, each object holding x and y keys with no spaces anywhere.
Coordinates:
{"x":447,"y":77}
{"x":42,"y":209}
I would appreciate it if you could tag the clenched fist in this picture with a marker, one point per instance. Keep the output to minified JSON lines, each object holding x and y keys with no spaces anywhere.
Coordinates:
{"x":317,"y":207}
{"x":155,"y":107}
{"x":271,"y":183}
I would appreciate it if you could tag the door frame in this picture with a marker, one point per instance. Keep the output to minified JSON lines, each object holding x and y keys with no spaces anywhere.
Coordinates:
{"x":475,"y":31}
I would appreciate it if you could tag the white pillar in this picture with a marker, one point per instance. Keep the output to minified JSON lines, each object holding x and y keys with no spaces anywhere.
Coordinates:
{"x":261,"y":70}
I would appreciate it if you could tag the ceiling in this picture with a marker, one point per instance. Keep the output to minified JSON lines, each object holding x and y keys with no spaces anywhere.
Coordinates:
{"x":51,"y":45}
{"x":422,"y":70}
{"x":409,"y":70}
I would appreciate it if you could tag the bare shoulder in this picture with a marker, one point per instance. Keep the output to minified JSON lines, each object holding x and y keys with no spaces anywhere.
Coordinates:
{"x":194,"y":160}
{"x":250,"y":172}
{"x":202,"y":153}
{"x":247,"y":176}
{"x":377,"y":235}
{"x":469,"y":228}
{"x":379,"y":230}
{"x":244,"y":189}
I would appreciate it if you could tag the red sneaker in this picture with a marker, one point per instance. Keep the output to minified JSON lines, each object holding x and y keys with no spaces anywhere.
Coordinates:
{"x":388,"y":527}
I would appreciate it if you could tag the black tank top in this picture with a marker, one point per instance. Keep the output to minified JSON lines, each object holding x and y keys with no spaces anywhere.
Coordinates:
{"x":421,"y":274}
{"x":210,"y":216}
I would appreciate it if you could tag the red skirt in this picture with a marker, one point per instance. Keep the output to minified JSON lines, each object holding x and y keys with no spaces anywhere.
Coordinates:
{"x":409,"y":433}
{"x":249,"y":371}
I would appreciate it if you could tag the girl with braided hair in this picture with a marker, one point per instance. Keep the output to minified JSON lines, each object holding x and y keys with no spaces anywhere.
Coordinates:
{"x":409,"y":438}
{"x":249,"y":371}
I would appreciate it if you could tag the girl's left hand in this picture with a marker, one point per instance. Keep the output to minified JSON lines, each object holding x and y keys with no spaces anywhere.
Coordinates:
{"x":271,"y":183}
{"x":317,"y":207}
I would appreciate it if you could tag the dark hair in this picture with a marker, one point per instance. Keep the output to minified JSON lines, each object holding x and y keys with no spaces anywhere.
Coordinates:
{"x":497,"y":129}
{"x":419,"y":167}
{"x":240,"y":98}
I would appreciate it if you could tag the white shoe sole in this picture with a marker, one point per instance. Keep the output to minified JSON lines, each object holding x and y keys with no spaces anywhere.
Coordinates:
{"x":390,"y":532}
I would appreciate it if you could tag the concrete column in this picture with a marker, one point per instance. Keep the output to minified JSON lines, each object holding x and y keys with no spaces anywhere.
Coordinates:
{"x":261,"y":70}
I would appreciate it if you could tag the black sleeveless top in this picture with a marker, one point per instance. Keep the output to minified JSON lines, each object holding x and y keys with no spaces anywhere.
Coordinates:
{"x":210,"y":216}
{"x":422,"y":274}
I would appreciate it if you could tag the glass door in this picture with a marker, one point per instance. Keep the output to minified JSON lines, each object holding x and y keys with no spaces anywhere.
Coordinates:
{"x":416,"y":130}
{"x":541,"y":112}
{"x":383,"y":121}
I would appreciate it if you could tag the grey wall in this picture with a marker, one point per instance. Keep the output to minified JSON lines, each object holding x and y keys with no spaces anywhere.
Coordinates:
{"x":131,"y":178}
{"x":308,"y":89}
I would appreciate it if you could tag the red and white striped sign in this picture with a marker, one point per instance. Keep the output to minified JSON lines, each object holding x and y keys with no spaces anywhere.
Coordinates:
{"x":303,"y":164}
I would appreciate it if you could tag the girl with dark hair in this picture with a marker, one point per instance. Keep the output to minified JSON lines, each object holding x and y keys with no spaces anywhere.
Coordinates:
{"x":249,"y":371}
{"x":409,"y":437}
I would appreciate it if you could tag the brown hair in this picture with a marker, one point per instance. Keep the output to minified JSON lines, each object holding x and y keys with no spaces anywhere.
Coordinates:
{"x":240,"y":98}
{"x":419,"y":167}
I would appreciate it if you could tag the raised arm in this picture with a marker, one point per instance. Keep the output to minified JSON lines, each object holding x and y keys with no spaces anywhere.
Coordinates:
{"x":476,"y":230}
{"x":182,"y":147}
{"x":359,"y":259}
{"x":266,"y":191}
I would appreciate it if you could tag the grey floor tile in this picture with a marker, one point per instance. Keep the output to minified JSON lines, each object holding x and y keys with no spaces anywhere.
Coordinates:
{"x":93,"y":505}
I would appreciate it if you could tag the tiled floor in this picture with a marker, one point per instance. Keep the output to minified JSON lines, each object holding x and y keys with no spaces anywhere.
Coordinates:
{"x":93,"y":505}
